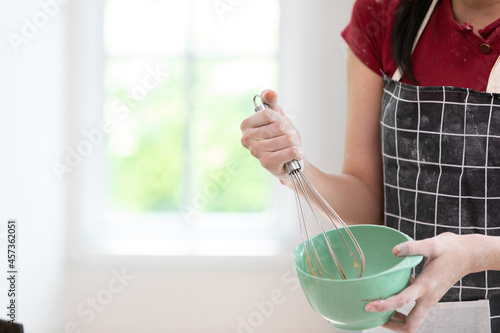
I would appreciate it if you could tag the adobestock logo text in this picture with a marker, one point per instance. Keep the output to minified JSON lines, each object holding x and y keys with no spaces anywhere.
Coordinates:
{"x":31,"y":26}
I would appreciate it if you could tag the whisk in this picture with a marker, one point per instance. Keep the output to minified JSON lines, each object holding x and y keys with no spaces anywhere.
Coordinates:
{"x":302,"y":187}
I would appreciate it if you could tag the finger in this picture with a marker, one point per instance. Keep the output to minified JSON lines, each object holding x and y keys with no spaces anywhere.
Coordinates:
{"x":410,"y":294}
{"x":395,"y":322}
{"x":251,"y":138}
{"x":270,"y":97}
{"x":262,"y":118}
{"x":273,"y":130}
{"x":395,"y":325}
{"x":274,"y":161}
{"x":408,"y":323}
{"x":426,"y":248}
{"x":399,"y":317}
{"x":273,"y":145}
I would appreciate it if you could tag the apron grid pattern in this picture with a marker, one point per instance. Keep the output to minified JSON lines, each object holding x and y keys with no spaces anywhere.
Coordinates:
{"x":441,"y":153}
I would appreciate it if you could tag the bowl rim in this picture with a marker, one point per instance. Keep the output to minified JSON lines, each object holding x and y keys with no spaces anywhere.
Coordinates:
{"x":407,"y":262}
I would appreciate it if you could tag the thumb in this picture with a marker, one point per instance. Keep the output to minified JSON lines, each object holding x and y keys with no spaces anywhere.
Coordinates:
{"x":270,"y":97}
{"x":406,"y":296}
{"x":423,"y":247}
{"x":404,"y":249}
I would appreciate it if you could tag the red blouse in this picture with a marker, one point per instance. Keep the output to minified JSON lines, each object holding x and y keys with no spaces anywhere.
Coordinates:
{"x":447,"y":54}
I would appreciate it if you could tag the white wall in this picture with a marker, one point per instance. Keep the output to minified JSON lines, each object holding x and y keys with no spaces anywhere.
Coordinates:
{"x":200,"y":294}
{"x":32,"y":94}
{"x":166,"y":299}
{"x":313,"y":76}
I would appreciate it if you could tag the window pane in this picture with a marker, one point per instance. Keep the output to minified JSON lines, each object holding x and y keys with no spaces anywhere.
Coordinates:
{"x":136,"y":27}
{"x":186,"y":77}
{"x":237,"y":27}
{"x":228,"y":178}
{"x":146,"y":154}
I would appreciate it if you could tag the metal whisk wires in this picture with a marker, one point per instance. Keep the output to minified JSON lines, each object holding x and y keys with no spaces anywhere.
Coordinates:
{"x":303,"y":188}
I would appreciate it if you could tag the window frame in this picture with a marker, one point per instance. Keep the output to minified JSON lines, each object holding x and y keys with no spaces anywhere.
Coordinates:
{"x":96,"y":232}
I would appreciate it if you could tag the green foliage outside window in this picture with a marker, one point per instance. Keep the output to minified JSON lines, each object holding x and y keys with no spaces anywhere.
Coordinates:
{"x":179,"y":144}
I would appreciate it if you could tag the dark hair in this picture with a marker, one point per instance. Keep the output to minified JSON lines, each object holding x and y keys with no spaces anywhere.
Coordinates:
{"x":409,"y":17}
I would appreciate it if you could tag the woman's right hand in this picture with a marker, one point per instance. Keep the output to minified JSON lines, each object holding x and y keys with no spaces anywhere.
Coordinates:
{"x":271,"y":137}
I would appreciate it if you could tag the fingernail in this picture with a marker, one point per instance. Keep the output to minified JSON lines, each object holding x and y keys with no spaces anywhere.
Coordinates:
{"x":301,"y":155}
{"x":263,"y":95}
{"x":374,"y":306}
{"x":399,"y":250}
{"x":371,"y":308}
{"x":395,"y":250}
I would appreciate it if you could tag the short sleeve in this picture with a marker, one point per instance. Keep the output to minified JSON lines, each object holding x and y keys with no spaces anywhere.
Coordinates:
{"x":368,"y":34}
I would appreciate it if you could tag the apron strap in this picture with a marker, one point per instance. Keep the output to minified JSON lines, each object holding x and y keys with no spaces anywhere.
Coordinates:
{"x":494,"y":80}
{"x":397,"y":74}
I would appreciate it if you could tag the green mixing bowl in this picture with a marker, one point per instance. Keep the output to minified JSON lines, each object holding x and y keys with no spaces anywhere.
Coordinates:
{"x":342,"y":302}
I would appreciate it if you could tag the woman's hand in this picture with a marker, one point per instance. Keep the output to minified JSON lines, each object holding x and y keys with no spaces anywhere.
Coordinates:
{"x":449,"y":257}
{"x":271,"y":137}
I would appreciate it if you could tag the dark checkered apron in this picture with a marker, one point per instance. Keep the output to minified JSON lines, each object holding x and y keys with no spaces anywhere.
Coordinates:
{"x":441,"y":155}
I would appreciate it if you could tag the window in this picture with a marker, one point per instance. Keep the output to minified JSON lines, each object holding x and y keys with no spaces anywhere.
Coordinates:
{"x":179,"y":76}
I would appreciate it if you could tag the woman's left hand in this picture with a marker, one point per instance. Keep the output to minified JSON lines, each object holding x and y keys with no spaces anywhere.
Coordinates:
{"x":449,"y":257}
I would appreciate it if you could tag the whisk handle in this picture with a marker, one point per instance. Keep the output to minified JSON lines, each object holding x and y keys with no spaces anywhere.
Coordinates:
{"x":259,"y":106}
{"x":290,"y":166}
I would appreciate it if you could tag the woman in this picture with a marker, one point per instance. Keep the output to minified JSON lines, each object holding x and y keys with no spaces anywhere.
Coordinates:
{"x":422,"y":151}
